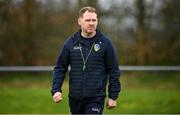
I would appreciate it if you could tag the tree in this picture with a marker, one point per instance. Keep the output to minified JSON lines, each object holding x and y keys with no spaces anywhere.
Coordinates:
{"x":141,"y":31}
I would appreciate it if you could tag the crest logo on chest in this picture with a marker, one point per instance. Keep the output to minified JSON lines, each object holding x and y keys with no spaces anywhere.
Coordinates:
{"x":97,"y":47}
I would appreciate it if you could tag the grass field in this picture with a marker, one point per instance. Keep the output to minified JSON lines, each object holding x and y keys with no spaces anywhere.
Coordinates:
{"x":150,"y":92}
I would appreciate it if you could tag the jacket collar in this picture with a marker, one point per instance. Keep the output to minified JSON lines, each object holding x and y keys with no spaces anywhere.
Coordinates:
{"x":77,"y":36}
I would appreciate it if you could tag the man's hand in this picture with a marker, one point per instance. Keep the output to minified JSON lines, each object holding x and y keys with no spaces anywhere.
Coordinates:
{"x":110,"y":103}
{"x":57,"y":97}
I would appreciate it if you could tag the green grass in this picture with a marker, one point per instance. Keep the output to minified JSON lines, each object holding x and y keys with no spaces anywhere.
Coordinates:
{"x":30,"y":100}
{"x":141,"y":93}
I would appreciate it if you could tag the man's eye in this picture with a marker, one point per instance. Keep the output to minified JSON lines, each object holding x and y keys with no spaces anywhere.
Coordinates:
{"x":90,"y":20}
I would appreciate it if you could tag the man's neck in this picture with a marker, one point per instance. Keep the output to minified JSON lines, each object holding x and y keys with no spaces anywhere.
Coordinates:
{"x":83,"y":34}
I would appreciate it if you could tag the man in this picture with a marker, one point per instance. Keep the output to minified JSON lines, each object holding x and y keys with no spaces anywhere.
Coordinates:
{"x":93,"y":63}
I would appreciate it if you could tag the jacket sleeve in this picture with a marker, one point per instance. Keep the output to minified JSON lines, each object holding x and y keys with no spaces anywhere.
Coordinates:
{"x":60,"y":69}
{"x":112,"y":65}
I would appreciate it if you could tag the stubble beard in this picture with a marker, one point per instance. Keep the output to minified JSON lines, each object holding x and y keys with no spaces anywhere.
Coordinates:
{"x":91,"y":31}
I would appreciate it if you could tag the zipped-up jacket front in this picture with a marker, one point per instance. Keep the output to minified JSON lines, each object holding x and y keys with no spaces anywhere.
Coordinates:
{"x":101,"y":66}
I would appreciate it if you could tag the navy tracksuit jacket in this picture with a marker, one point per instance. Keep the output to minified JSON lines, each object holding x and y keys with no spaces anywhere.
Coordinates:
{"x":102,"y":66}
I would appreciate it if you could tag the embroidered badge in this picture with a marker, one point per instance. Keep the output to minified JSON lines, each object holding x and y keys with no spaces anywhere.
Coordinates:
{"x":76,"y":47}
{"x":96,"y":47}
{"x":96,"y":109}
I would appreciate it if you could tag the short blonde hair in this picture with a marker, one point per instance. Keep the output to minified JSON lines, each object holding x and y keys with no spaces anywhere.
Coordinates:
{"x":87,"y":8}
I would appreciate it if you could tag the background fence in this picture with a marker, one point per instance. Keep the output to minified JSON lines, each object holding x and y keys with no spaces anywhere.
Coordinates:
{"x":122,"y":68}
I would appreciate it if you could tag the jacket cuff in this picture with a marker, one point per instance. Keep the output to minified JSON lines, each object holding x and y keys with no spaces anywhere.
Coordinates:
{"x":113,"y":96}
{"x":53,"y":92}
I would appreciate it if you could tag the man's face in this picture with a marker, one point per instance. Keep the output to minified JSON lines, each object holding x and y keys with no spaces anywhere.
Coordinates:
{"x":88,"y":22}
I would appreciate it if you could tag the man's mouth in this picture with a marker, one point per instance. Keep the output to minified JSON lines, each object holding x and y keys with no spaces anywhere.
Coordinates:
{"x":90,"y":27}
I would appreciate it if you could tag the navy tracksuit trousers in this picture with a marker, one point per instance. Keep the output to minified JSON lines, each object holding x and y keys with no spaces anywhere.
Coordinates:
{"x":92,"y":105}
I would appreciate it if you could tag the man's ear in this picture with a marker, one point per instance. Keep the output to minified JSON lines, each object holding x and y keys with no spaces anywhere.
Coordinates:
{"x":79,"y":21}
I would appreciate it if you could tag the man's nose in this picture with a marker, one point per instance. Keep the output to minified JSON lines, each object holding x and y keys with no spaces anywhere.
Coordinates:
{"x":91,"y":22}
